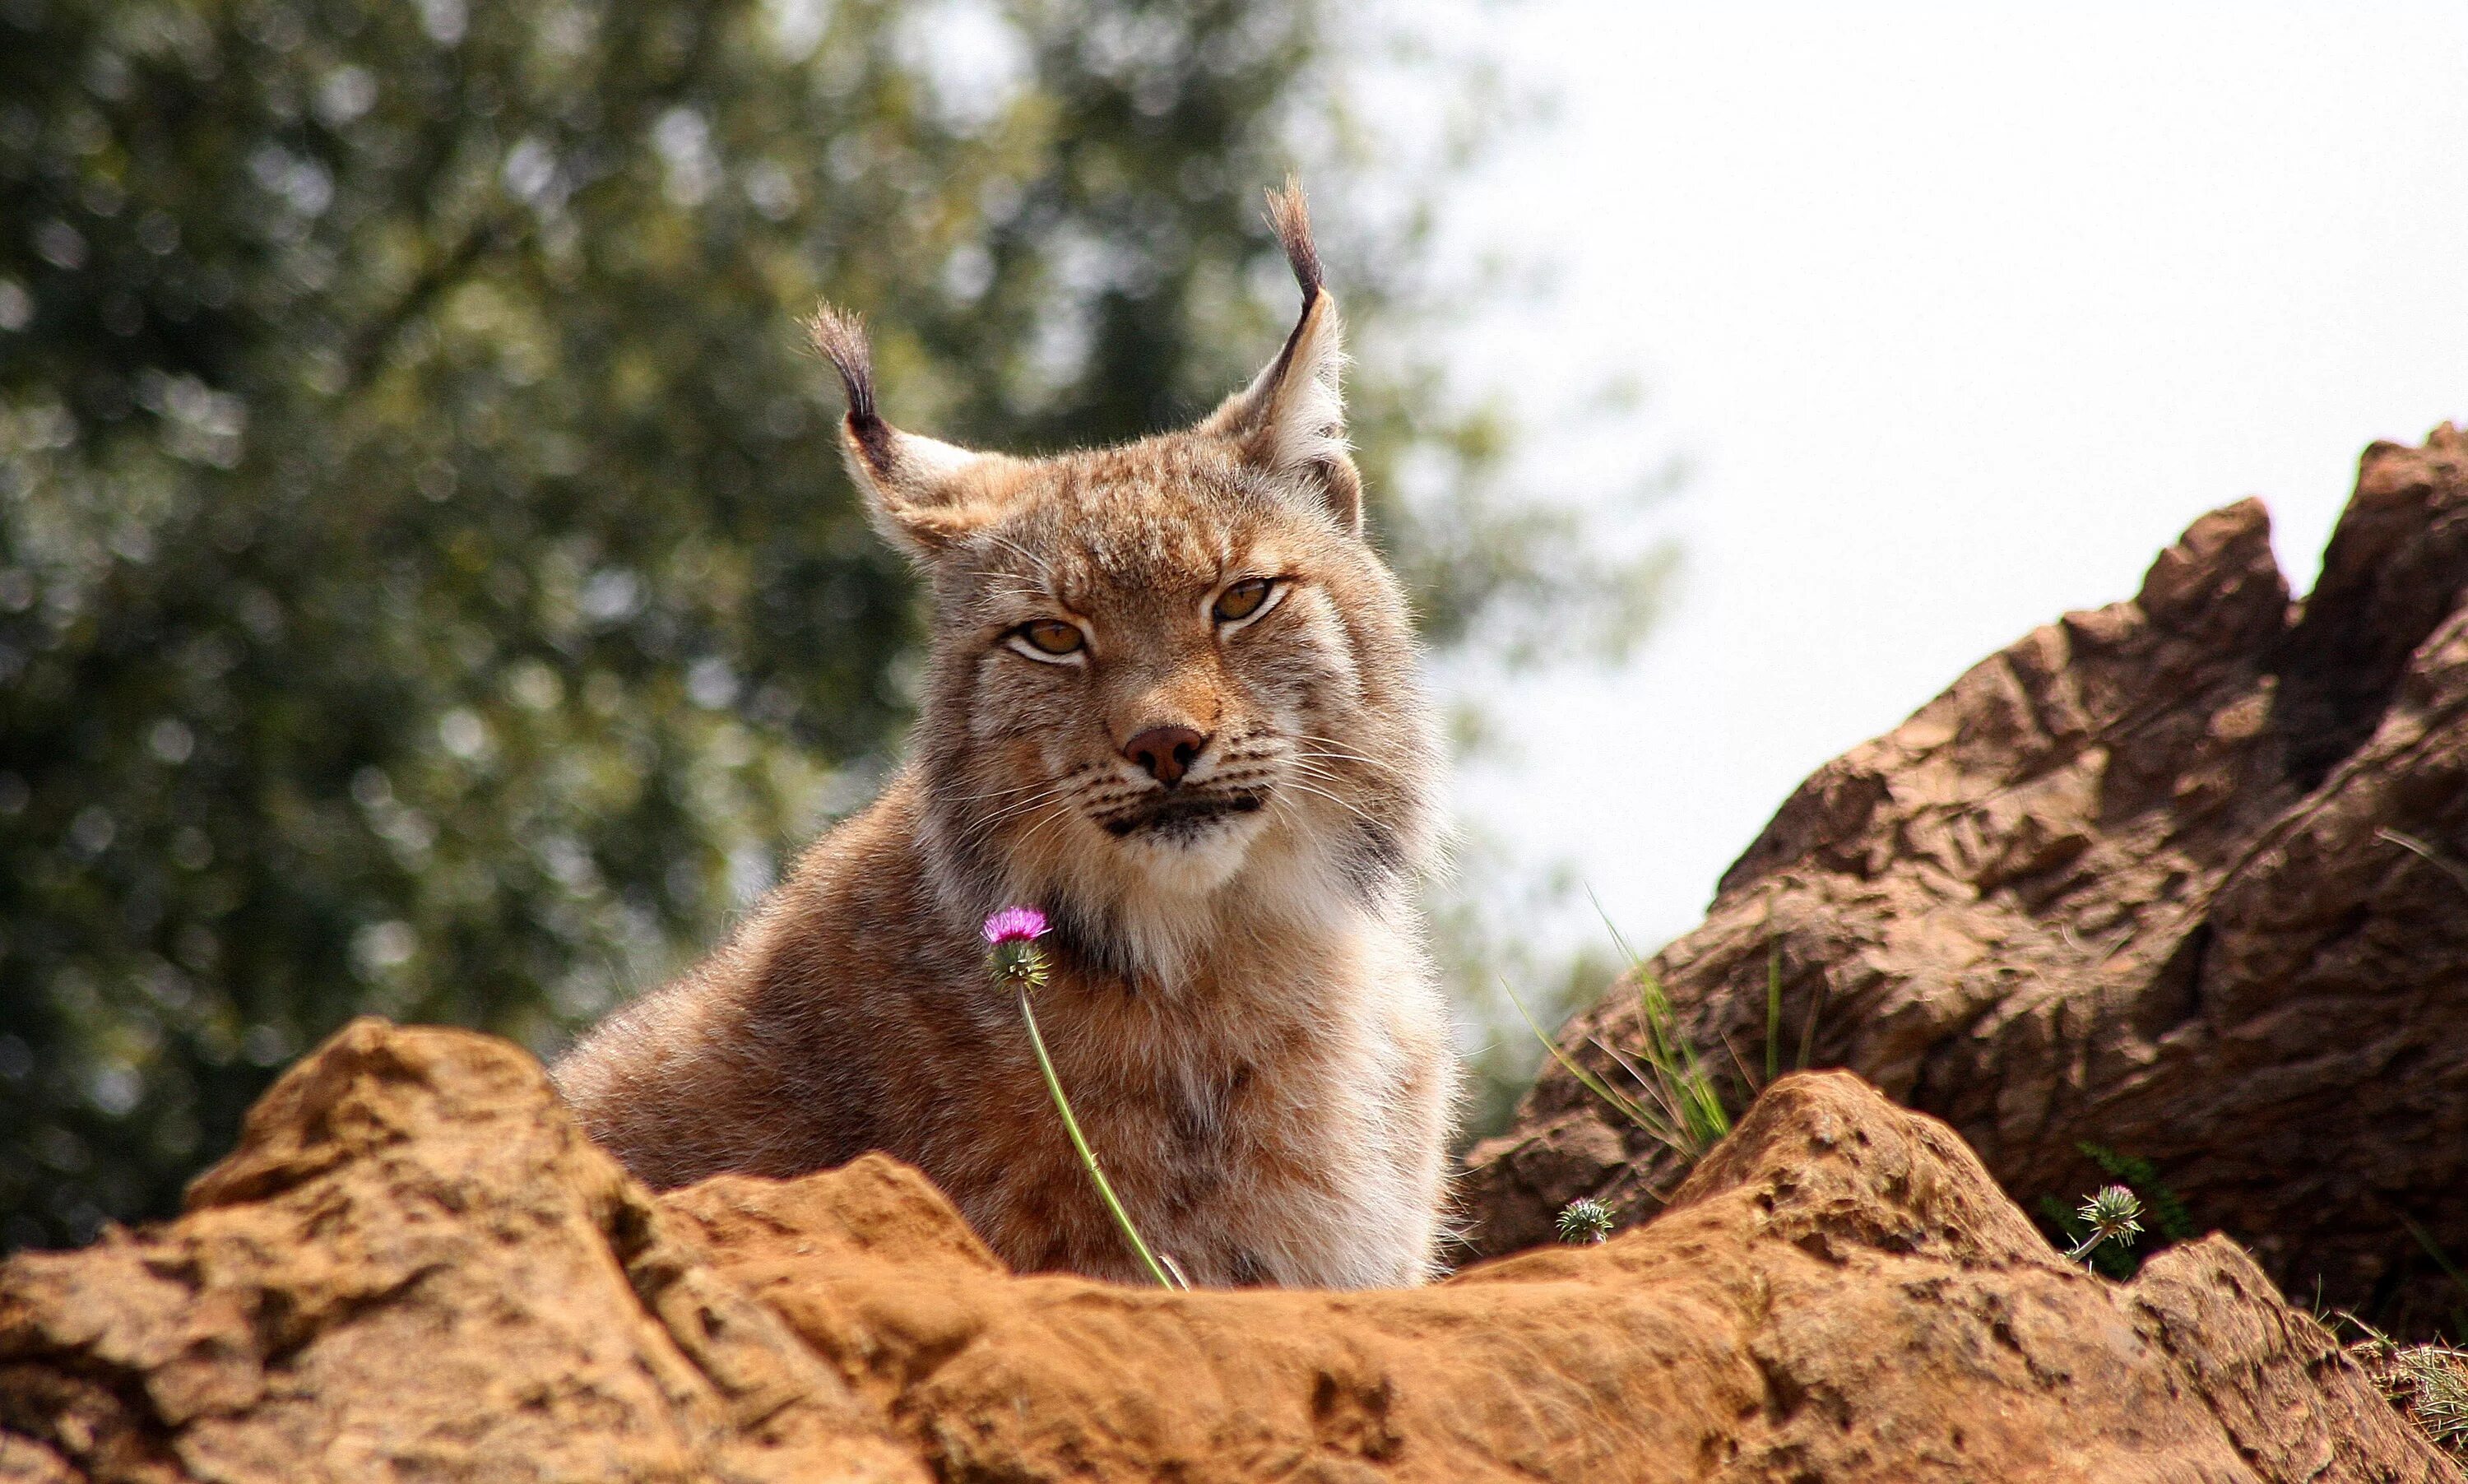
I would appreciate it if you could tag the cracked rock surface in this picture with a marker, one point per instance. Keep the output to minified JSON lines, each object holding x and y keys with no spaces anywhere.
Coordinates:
{"x":415,"y":1266}
{"x":2186,"y":877}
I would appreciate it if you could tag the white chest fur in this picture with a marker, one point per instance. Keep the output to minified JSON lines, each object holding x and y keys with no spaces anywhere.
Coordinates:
{"x":1332,"y":1175}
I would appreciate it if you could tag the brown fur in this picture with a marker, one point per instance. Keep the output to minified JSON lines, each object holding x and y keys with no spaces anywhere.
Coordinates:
{"x":1240,"y":1008}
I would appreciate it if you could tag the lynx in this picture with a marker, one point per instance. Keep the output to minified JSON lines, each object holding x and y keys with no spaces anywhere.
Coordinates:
{"x":1172,"y":701}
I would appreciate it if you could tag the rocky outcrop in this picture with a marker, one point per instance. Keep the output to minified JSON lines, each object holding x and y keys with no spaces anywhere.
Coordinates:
{"x":415,"y":1266}
{"x":2184,"y":877}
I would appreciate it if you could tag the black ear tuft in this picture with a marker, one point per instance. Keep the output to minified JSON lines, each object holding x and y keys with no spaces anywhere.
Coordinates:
{"x":840,"y":337}
{"x":1290,"y":420}
{"x":1290,"y":218}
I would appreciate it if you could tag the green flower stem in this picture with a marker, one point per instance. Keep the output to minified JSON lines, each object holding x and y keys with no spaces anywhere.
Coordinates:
{"x":1087,"y":1156}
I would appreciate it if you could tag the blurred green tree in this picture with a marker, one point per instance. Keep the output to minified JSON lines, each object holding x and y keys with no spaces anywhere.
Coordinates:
{"x":427,"y":582}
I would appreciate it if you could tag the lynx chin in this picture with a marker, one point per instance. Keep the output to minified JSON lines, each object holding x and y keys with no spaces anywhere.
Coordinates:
{"x":1173,"y":702}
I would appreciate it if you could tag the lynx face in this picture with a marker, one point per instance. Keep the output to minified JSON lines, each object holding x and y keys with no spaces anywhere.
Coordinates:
{"x":1170,"y":679}
{"x":1156,"y":667}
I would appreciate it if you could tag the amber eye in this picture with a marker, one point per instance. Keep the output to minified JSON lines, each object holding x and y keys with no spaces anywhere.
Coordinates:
{"x":1243,"y":599}
{"x":1051,"y":636}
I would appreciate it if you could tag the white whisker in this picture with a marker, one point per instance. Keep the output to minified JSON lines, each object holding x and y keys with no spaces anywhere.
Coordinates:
{"x":1022,"y":845}
{"x":983,"y":828}
{"x":997,"y":794}
{"x":1367,"y":816}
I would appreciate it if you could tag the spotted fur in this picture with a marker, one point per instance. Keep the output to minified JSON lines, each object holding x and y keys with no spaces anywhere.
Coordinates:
{"x":1241,"y":1006}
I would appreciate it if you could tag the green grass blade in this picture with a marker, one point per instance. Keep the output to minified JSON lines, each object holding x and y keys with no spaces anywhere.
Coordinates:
{"x":2426,"y":852}
{"x":2434,"y":1250}
{"x":1808,"y":1032}
{"x":1673,"y":1072}
{"x":1664,"y":1118}
{"x":1618,"y":941}
{"x":1774,"y":1012}
{"x":1708,"y":1120}
{"x":1586,"y":1078}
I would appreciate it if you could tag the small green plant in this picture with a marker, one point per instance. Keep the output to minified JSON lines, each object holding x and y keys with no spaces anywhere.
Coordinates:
{"x":1583,"y":1221}
{"x":1679,"y":1104}
{"x":1677,"y":1100}
{"x":2168,"y":1220}
{"x":2068,"y":1229}
{"x":2112,"y":1217}
{"x":1016,"y":962}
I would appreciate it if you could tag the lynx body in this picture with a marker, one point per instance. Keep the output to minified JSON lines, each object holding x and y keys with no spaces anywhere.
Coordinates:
{"x":1171,"y":702}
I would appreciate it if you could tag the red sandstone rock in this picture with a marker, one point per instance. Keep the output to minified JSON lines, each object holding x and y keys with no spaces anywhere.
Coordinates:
{"x":2184,"y":877}
{"x":415,"y":1267}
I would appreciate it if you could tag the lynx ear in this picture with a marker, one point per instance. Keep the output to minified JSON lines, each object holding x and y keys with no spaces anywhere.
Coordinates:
{"x":925,"y":494}
{"x":1290,"y":420}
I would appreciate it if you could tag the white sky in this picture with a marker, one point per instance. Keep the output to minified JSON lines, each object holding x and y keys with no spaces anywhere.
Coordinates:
{"x":1959,"y":314}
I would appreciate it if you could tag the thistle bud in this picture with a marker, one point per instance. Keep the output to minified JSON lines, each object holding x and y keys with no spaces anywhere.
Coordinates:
{"x":2110,"y":1213}
{"x":2109,"y":1216}
{"x":1585,"y":1219}
{"x":1010,"y":946}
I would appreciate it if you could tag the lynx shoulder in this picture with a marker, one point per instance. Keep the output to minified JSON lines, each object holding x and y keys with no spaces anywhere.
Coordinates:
{"x":1172,"y":701}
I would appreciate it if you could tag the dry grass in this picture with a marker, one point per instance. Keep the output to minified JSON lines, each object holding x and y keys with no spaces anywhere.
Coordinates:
{"x":2429,"y":1384}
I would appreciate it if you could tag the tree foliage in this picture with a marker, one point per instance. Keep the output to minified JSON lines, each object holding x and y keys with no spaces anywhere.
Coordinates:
{"x":427,"y":582}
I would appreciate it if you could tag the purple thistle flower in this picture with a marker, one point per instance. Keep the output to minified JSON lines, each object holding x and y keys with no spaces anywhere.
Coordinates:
{"x":1010,"y":946}
{"x":1015,"y":924}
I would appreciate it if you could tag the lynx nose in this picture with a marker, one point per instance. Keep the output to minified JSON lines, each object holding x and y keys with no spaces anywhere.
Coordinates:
{"x":1166,"y":752}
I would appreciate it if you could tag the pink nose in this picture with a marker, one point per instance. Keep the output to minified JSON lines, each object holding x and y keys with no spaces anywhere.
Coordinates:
{"x":1166,"y":752}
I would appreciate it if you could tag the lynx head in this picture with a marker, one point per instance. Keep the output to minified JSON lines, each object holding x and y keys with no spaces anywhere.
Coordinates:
{"x":1173,"y":687}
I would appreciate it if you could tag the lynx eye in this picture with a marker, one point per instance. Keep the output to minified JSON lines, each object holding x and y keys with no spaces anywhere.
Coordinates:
{"x":1051,"y":636}
{"x":1243,"y":599}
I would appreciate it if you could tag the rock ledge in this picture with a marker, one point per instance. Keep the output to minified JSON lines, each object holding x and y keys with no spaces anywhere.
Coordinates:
{"x":2186,"y":877}
{"x":415,"y":1266}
